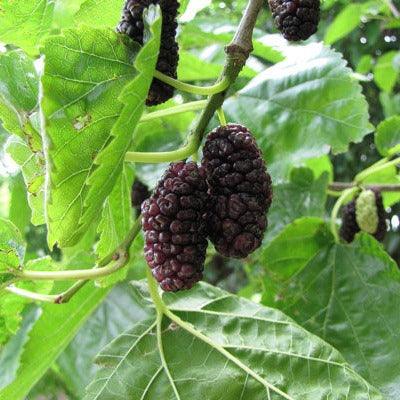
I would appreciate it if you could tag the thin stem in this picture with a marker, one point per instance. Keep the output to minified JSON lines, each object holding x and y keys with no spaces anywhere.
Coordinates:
{"x":344,"y":197}
{"x":336,"y":188}
{"x":162,"y":354}
{"x":31,"y":295}
{"x":120,"y":258}
{"x":66,"y":296}
{"x":185,"y":87}
{"x":393,"y":8}
{"x":153,"y":290}
{"x":84,"y":274}
{"x":187,"y":107}
{"x":221,"y":116}
{"x":166,"y":156}
{"x":380,"y":166}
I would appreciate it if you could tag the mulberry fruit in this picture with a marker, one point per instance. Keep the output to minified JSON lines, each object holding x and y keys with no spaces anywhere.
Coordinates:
{"x":140,"y":192}
{"x":175,"y":227}
{"x":366,"y":213}
{"x":240,"y":190}
{"x":132,"y":25}
{"x":296,"y":19}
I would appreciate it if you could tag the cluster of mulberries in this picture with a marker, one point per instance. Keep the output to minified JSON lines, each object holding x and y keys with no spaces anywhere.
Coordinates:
{"x":365,"y":213}
{"x":296,"y":19}
{"x":225,"y":199}
{"x":240,"y":190}
{"x":139,"y":193}
{"x":175,"y":227}
{"x":132,"y":25}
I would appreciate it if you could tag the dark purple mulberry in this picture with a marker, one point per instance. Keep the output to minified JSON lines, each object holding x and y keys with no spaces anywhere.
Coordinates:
{"x":296,"y":19}
{"x":240,"y":190}
{"x":132,"y":25}
{"x":350,"y":214}
{"x":140,"y":192}
{"x":175,"y":227}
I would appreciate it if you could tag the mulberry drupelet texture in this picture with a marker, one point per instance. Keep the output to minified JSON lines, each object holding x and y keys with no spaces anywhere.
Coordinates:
{"x":371,"y":217}
{"x":296,"y":19}
{"x":175,"y":227}
{"x":240,"y":190}
{"x":132,"y":25}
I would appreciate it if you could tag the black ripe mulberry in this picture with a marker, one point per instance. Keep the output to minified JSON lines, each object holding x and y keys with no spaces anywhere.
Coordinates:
{"x":296,"y":19}
{"x":365,"y":213}
{"x":175,"y":227}
{"x":140,"y":192}
{"x":132,"y":25}
{"x":240,"y":190}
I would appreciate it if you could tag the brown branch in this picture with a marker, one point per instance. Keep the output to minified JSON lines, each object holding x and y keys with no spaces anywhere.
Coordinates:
{"x":340,"y":186}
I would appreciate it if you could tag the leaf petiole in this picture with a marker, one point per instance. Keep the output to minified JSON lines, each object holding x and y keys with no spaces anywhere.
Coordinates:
{"x":166,"y":156}
{"x":200,"y":90}
{"x":182,"y":108}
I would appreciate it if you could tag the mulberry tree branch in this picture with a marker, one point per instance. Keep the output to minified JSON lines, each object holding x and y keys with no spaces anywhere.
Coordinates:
{"x":340,"y":186}
{"x":237,"y":53}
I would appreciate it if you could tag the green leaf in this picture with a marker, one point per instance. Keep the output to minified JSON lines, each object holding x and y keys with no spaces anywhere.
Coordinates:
{"x":387,"y":137}
{"x":24,"y":23}
{"x":385,"y":72}
{"x":345,"y":22}
{"x":51,"y":334}
{"x":19,"y":91}
{"x":302,"y":196}
{"x":294,"y":247}
{"x":33,"y":170}
{"x":349,"y":19}
{"x":115,"y":223}
{"x":86,"y":149}
{"x":302,"y":107}
{"x":224,"y":347}
{"x":10,"y":355}
{"x":114,"y":316}
{"x":350,"y":296}
{"x":100,"y":13}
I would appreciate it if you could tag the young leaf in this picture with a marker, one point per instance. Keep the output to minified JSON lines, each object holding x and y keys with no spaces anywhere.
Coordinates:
{"x":24,"y":23}
{"x":54,"y":330}
{"x":115,"y":223}
{"x":350,"y":296}
{"x":18,"y":91}
{"x":224,"y":348}
{"x":19,"y":212}
{"x":302,"y":107}
{"x":86,"y":149}
{"x":387,"y":137}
